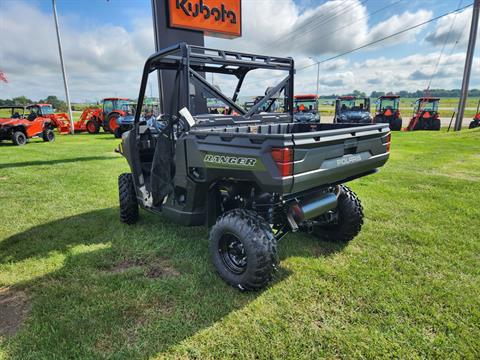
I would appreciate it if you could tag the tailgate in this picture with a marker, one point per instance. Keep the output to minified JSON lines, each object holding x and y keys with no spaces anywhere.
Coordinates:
{"x":333,"y":156}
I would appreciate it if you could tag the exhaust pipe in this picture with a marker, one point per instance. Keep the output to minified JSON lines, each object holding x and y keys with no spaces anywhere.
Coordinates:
{"x":311,"y":208}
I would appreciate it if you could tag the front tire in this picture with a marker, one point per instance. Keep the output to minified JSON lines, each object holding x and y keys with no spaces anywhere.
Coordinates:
{"x":243,"y":249}
{"x":48,"y":135}
{"x":128,"y":199}
{"x":19,"y":138}
{"x":93,"y":127}
{"x":349,"y":219}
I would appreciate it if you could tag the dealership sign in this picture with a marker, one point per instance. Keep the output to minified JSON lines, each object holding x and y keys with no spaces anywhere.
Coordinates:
{"x":221,"y":18}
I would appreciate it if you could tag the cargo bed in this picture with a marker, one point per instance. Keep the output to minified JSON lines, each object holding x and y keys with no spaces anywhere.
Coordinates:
{"x":324,"y":154}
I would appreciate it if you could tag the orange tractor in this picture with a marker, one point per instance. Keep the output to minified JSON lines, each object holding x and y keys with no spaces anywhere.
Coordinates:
{"x":106,"y":117}
{"x":60,"y":120}
{"x":426,"y":116}
{"x":388,"y":111}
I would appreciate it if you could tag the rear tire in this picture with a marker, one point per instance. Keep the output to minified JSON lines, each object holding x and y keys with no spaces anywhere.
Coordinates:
{"x":474,"y":124}
{"x":93,"y":127}
{"x":349,"y":222}
{"x":111,"y":123}
{"x":243,"y":249}
{"x":48,"y":135}
{"x":117,"y":133}
{"x":396,"y":124}
{"x":128,"y":199}
{"x":436,"y":124}
{"x":19,"y":138}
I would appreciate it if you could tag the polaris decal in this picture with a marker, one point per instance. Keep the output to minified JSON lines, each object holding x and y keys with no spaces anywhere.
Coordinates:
{"x":230,"y":160}
{"x":348,"y":160}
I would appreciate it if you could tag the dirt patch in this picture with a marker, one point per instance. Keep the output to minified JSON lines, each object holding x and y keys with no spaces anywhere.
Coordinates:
{"x":161,"y":268}
{"x":13,"y":310}
{"x":153,"y":268}
{"x":3,"y":178}
{"x":123,"y":266}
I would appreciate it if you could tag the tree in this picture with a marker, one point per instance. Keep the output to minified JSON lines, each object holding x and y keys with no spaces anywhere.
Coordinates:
{"x":21,"y":100}
{"x":57,"y":104}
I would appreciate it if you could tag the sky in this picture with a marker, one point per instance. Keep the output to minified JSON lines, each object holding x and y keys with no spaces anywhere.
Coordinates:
{"x":107,"y":42}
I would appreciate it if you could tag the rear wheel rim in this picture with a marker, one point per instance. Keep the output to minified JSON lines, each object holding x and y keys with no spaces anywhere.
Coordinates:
{"x":113,"y":123}
{"x":21,"y":139}
{"x":232,"y":253}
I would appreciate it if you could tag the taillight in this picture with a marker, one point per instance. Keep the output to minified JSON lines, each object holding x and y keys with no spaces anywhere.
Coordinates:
{"x":283,"y":157}
{"x":389,"y":138}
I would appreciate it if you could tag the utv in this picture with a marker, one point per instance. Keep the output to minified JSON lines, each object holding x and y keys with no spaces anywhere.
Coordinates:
{"x":352,"y":110}
{"x":306,"y":108}
{"x":252,"y":177}
{"x":388,"y":111}
{"x":20,"y":127}
{"x":425,"y":116}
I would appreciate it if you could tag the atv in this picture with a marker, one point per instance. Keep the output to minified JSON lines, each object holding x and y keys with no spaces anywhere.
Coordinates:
{"x":306,"y":109}
{"x":387,"y":111}
{"x":20,"y":127}
{"x":352,"y":110}
{"x":425,"y":116}
{"x":476,"y":120}
{"x":250,"y":178}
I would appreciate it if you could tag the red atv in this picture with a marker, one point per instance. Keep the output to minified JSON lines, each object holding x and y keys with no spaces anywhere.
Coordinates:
{"x":92,"y":119}
{"x":387,"y":111}
{"x":19,"y":127}
{"x":476,"y":120}
{"x":426,"y":116}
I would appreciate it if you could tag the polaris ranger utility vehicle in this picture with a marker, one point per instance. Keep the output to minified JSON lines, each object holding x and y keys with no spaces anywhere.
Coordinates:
{"x":306,"y":108}
{"x":252,"y":177}
{"x":352,"y":110}
{"x":388,"y":111}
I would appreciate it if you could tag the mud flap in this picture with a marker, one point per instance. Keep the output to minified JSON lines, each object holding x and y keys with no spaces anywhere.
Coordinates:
{"x":162,"y":169}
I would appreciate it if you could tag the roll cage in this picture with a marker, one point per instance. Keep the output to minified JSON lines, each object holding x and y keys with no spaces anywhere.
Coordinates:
{"x":190,"y":63}
{"x":12,"y":109}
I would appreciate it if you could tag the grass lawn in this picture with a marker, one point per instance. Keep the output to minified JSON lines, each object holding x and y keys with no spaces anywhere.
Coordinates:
{"x":87,"y":286}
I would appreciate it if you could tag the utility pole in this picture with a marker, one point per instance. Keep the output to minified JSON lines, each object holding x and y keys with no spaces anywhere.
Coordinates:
{"x":65,"y":83}
{"x":468,"y":65}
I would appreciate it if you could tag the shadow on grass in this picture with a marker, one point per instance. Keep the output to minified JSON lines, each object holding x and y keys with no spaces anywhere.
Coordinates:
{"x":54,"y":162}
{"x":100,"y":299}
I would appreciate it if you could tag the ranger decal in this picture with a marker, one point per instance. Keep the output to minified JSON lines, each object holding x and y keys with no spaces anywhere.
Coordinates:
{"x":229,"y":160}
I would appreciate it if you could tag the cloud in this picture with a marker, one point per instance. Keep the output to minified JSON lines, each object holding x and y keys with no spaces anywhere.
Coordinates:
{"x":332,"y":27}
{"x":451,"y":28}
{"x":100,"y":62}
{"x":332,"y":82}
{"x":107,"y":59}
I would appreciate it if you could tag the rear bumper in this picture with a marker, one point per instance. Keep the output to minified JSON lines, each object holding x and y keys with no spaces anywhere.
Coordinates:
{"x":338,"y":174}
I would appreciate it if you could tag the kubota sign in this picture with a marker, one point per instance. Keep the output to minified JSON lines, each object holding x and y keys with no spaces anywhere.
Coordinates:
{"x":213,"y":17}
